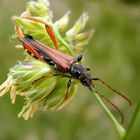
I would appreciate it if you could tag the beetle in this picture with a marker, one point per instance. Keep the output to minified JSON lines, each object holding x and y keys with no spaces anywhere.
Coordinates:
{"x":64,"y":63}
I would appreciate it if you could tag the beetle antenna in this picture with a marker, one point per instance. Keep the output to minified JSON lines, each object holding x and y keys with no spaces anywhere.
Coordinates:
{"x":115,"y":91}
{"x":112,"y":104}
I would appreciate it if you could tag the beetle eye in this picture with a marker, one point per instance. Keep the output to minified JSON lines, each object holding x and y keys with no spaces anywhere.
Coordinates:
{"x":78,"y":72}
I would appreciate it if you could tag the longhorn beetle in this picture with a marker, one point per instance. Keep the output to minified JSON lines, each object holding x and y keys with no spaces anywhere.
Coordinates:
{"x":64,"y":63}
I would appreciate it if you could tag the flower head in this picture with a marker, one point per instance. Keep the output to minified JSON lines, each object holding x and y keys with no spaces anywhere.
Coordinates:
{"x":35,"y":80}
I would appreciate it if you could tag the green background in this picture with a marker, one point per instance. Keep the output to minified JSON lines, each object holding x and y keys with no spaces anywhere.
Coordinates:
{"x":113,"y":54}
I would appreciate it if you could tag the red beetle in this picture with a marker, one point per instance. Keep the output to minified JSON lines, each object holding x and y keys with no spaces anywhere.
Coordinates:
{"x":65,"y":64}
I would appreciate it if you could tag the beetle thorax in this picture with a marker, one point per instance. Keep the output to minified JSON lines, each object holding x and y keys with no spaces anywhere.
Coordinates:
{"x":79,"y":72}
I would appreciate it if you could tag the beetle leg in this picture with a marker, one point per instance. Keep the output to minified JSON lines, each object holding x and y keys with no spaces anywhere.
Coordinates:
{"x":48,"y":29}
{"x":67,"y":91}
{"x":51,"y":35}
{"x":79,"y":58}
{"x":66,"y":94}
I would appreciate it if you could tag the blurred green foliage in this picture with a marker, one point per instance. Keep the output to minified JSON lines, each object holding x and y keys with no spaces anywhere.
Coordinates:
{"x":113,"y":54}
